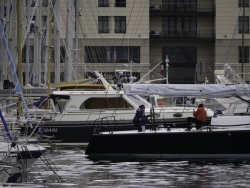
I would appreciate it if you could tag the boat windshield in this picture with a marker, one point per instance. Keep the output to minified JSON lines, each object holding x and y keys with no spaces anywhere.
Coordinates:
{"x":138,"y":100}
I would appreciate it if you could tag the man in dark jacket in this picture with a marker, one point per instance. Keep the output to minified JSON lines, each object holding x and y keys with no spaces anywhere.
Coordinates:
{"x":140,"y":119}
{"x":136,"y":119}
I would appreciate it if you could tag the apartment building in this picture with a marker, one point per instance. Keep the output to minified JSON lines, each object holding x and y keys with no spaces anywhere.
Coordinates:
{"x":194,"y":37}
{"x":115,"y":36}
{"x":232,"y":36}
{"x":199,"y":36}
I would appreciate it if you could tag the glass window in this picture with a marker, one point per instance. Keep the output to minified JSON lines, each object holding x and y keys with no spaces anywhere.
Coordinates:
{"x":62,"y":54}
{"x":32,"y":26}
{"x":179,"y":26}
{"x":241,"y":3}
{"x":182,"y":64}
{"x":180,"y":54}
{"x":103,"y":24}
{"x":45,"y":3}
{"x":103,"y":3}
{"x":62,"y":79}
{"x":31,"y":54}
{"x":115,"y":77}
{"x":246,"y":54}
{"x":120,"y":3}
{"x":244,"y":19}
{"x":120,"y":24}
{"x":52,"y":77}
{"x":44,"y":20}
{"x":33,"y":3}
{"x":106,"y":103}
{"x":112,"y":54}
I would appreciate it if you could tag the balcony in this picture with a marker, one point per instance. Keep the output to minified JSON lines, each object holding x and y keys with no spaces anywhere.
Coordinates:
{"x":182,"y":9}
{"x":205,"y":34}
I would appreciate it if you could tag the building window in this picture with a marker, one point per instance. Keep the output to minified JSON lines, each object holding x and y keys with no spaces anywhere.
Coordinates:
{"x":44,"y":21}
{"x":179,"y":27}
{"x":120,"y":3}
{"x":62,"y":54}
{"x":112,"y":54}
{"x":246,"y":24}
{"x":103,"y":3}
{"x":120,"y":24}
{"x":62,"y":79}
{"x":32,"y":3}
{"x":115,"y":77}
{"x":103,"y":24}
{"x":45,"y":3}
{"x":106,"y":103}
{"x":182,"y":64}
{"x":241,"y":3}
{"x":31,"y":54}
{"x":52,"y":77}
{"x":246,"y":54}
{"x":32,"y":25}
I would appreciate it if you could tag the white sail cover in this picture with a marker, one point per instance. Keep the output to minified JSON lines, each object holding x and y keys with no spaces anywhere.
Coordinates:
{"x":182,"y":90}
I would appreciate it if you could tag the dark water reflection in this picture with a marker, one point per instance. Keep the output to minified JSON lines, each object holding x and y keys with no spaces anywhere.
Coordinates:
{"x":77,"y":171}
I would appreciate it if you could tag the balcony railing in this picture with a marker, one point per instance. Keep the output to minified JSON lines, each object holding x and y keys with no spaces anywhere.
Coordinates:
{"x":181,"y":33}
{"x":182,"y":7}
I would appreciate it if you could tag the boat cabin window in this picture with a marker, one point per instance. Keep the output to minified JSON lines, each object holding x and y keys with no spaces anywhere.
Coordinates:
{"x":101,"y":103}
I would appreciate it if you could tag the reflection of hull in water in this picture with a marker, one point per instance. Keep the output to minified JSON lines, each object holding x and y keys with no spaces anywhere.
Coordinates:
{"x":81,"y":132}
{"x":226,"y":144}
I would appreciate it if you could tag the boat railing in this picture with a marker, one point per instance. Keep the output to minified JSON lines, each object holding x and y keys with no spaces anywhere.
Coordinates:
{"x":108,"y":121}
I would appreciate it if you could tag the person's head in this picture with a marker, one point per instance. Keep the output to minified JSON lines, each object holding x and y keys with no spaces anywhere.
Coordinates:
{"x":142,"y":106}
{"x":200,"y":105}
{"x":142,"y":110}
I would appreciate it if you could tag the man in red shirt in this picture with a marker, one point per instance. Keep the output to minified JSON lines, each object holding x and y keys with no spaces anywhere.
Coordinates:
{"x":199,"y":117}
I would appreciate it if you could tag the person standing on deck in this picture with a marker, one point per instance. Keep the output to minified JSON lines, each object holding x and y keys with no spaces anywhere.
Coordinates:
{"x":140,"y":120}
{"x":143,"y":118}
{"x":136,"y":120}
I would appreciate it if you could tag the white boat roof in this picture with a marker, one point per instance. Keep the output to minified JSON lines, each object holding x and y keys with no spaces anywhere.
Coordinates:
{"x":79,"y":92}
{"x":182,"y":90}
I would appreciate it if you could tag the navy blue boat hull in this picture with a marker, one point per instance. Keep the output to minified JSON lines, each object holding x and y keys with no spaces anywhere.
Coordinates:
{"x":170,"y":145}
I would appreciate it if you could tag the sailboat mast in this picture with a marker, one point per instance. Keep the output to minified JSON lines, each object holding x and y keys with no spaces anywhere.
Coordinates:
{"x":57,"y":41}
{"x":1,"y":45}
{"x":5,"y":70}
{"x":19,"y":51}
{"x":76,"y":34}
{"x":27,"y":70}
{"x":242,"y":48}
{"x":49,"y":48}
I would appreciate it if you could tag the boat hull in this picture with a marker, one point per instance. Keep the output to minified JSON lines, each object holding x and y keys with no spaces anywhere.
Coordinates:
{"x":224,"y":144}
{"x":81,"y":132}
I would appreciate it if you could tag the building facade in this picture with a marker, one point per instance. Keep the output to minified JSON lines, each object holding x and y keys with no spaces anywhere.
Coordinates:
{"x":194,"y":37}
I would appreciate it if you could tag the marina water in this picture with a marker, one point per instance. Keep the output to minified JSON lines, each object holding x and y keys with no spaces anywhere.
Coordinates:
{"x":77,"y":171}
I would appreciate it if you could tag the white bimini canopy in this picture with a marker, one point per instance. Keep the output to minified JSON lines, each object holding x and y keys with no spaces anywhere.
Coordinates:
{"x":182,"y":90}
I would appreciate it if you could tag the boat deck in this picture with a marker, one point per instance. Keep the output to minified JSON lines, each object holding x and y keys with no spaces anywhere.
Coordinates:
{"x":179,"y":130}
